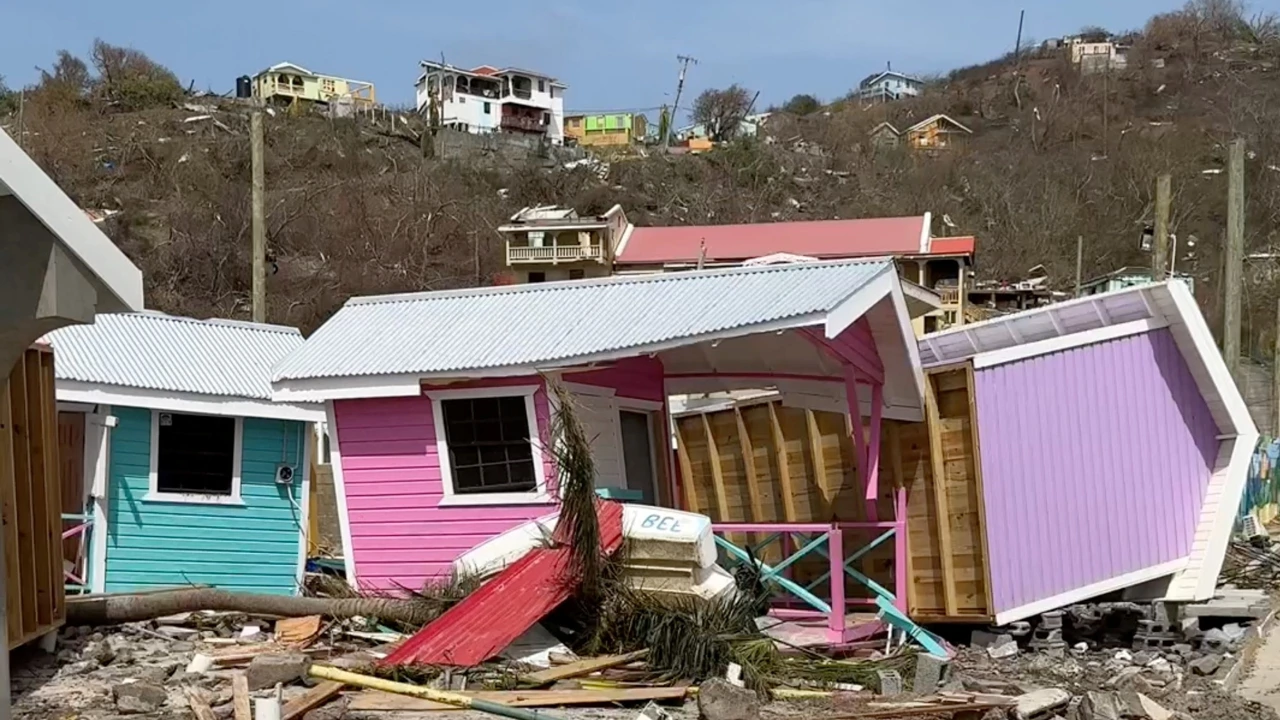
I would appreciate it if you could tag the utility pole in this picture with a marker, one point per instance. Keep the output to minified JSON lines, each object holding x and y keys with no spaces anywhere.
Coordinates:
{"x":1079,"y":261}
{"x":1017,"y":46}
{"x":1275,"y":378}
{"x":259,"y":228}
{"x":1160,"y":254}
{"x":685,"y":61}
{"x":1232,"y":276}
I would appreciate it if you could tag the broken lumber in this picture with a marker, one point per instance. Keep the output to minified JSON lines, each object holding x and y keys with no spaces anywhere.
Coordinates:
{"x":120,"y":609}
{"x":240,"y":697}
{"x":580,"y":668}
{"x":463,"y":702}
{"x":370,"y":700}
{"x":199,"y":707}
{"x":312,"y":699}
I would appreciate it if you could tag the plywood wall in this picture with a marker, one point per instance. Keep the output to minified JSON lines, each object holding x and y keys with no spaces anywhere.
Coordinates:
{"x":31,"y":499}
{"x":768,"y":462}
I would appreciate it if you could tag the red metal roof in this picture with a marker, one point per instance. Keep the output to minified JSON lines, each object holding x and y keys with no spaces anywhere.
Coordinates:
{"x":491,"y":618}
{"x":485,"y":70}
{"x":825,"y":239}
{"x":953,"y":245}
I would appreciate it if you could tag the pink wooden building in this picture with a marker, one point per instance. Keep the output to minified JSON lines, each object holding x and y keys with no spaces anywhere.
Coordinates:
{"x":439,"y":407}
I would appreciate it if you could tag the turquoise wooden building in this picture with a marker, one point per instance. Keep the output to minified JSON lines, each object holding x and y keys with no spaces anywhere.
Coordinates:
{"x":177,"y":468}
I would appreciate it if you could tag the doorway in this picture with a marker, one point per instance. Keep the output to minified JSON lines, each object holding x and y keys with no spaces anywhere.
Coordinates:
{"x":75,"y":488}
{"x":637,"y":453}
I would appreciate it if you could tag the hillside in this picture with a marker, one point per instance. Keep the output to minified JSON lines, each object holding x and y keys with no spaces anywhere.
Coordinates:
{"x":355,"y":208}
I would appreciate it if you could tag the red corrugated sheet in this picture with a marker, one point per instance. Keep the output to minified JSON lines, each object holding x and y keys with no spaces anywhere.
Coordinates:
{"x":492,"y":617}
{"x":824,"y":239}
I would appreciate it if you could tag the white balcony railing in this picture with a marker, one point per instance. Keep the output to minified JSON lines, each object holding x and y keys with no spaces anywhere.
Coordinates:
{"x":554,"y":253}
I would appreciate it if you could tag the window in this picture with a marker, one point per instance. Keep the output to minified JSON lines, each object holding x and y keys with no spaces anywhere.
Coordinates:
{"x":487,"y":443}
{"x":486,"y":108}
{"x":542,"y":86}
{"x":577,"y":273}
{"x":546,"y":118}
{"x":535,"y":277}
{"x":489,"y":448}
{"x":195,"y":458}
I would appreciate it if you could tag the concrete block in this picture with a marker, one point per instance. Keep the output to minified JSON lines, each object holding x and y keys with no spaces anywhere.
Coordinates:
{"x":931,"y":672}
{"x":890,"y":682}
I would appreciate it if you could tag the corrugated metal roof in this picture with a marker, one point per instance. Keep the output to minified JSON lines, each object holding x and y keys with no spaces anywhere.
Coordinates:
{"x":153,"y":351}
{"x":520,"y":325}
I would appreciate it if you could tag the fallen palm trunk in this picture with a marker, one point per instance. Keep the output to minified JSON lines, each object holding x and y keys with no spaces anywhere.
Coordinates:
{"x":117,"y":609}
{"x":453,"y":699}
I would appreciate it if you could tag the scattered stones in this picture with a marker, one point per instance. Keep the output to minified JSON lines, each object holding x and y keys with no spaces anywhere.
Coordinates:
{"x":1039,"y":703}
{"x":720,"y":700}
{"x":1005,"y":647}
{"x":1206,"y":665}
{"x":1100,"y":706}
{"x":1124,"y":656}
{"x":99,"y":651}
{"x":138,"y":697}
{"x":268,"y":669}
{"x":1144,"y":657}
{"x":177,"y":632}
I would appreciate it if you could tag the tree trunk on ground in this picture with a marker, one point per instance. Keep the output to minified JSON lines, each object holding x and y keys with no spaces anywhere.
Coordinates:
{"x":135,"y":608}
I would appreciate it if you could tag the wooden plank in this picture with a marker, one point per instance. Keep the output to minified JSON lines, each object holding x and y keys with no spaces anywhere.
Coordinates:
{"x":310,"y":700}
{"x":943,"y":517}
{"x":686,"y":472}
{"x":784,"y":467}
{"x":377,"y":700}
{"x":982,"y":498}
{"x":22,"y":511}
{"x":893,"y":438}
{"x":240,"y":697}
{"x":582,"y":667}
{"x":8,"y":502}
{"x":749,"y":465}
{"x":199,"y":707}
{"x":815,"y":450}
{"x":41,"y":476}
{"x":717,"y":475}
{"x":52,"y":488}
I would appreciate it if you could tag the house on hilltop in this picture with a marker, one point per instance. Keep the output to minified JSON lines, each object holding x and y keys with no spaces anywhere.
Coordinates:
{"x":286,"y":83}
{"x":888,"y":85}
{"x":940,"y":132}
{"x":487,"y":99}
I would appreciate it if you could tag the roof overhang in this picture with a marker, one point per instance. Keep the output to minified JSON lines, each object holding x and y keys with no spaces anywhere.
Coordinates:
{"x":117,"y":281}
{"x":100,"y":394}
{"x":741,"y":357}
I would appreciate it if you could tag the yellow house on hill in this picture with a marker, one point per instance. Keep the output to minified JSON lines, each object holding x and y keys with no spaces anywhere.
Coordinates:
{"x":609,"y":129}
{"x":286,"y":83}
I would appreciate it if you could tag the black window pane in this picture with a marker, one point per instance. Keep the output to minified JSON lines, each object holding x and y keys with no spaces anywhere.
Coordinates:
{"x":488,"y":441}
{"x":195,"y":454}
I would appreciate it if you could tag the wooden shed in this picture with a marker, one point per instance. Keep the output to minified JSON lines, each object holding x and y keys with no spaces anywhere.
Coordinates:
{"x":749,"y":460}
{"x":31,"y":499}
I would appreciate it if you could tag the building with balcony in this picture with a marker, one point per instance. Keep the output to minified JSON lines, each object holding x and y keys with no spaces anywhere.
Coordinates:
{"x":487,"y":99}
{"x":289,"y":84}
{"x":887,"y":86}
{"x":549,"y":243}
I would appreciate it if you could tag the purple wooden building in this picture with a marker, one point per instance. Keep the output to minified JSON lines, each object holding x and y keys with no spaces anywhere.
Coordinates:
{"x":1114,"y":447}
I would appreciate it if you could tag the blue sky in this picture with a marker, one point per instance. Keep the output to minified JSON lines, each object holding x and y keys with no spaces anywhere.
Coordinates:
{"x":613,"y":56}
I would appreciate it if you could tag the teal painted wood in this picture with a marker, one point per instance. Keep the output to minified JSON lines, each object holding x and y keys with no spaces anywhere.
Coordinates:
{"x":252,"y":548}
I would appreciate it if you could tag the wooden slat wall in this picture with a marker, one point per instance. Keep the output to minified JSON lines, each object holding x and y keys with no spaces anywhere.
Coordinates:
{"x":769,"y":463}
{"x":31,"y":498}
{"x":772,"y":463}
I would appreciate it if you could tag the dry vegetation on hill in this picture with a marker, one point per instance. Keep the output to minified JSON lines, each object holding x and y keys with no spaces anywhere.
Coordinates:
{"x":354,"y":207}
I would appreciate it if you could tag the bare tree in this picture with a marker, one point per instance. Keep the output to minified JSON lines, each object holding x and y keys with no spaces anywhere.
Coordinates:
{"x":721,"y":111}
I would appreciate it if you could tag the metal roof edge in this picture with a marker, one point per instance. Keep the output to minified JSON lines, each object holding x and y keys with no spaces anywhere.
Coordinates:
{"x":606,"y":281}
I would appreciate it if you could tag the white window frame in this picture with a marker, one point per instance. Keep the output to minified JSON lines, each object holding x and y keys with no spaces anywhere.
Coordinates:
{"x":237,"y":460}
{"x":537,"y":496}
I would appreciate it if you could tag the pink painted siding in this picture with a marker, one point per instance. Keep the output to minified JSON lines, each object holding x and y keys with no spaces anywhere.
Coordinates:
{"x":638,"y":378}
{"x":401,"y":536}
{"x":1095,"y":463}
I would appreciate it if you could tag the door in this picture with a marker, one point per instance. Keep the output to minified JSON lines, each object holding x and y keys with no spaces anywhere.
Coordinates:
{"x":599,"y":418}
{"x":71,"y":477}
{"x":637,"y":453}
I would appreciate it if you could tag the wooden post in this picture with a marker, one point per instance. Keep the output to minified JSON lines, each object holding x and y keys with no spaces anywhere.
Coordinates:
{"x":1275,"y":378}
{"x":1160,"y":253}
{"x":259,"y":228}
{"x":1232,"y":276}
{"x":1079,"y":261}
